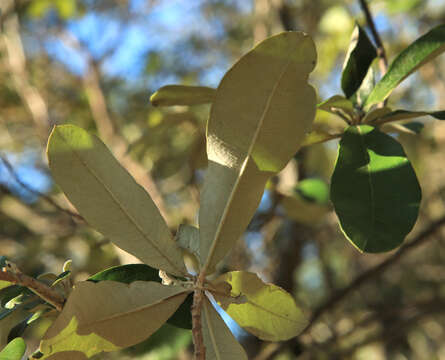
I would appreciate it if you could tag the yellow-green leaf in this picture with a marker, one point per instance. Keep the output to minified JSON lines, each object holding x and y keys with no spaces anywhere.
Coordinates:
{"x":337,"y":103}
{"x":265,"y":310}
{"x":110,"y":199}
{"x":108,"y":316}
{"x":171,"y":95}
{"x":14,"y":350}
{"x":255,"y":127}
{"x":219,"y":342}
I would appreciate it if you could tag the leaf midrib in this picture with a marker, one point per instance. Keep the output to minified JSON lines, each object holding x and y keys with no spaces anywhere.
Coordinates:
{"x":121,"y":206}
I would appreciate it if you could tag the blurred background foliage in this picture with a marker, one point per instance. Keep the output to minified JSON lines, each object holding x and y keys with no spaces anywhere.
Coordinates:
{"x":95,"y":64}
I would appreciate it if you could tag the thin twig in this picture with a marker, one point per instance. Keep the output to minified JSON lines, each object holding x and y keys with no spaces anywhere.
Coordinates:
{"x":35,"y":192}
{"x":336,"y":298}
{"x":40,"y":289}
{"x":198,"y":340}
{"x":381,"y":53}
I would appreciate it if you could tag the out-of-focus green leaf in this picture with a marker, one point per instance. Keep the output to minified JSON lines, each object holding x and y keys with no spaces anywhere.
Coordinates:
{"x":141,"y":272}
{"x":5,"y":284}
{"x":374,"y":190}
{"x":336,"y":103}
{"x":171,"y":95}
{"x":324,"y":128}
{"x":360,"y":55}
{"x":412,"y":128}
{"x":108,"y":316}
{"x":14,"y":350}
{"x":110,"y":199}
{"x":264,"y":310}
{"x":255,"y":127}
{"x":421,"y":51}
{"x":313,"y":190}
{"x":405,"y":114}
{"x":219,"y":342}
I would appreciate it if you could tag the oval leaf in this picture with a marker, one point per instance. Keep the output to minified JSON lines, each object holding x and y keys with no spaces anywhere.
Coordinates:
{"x":374,"y":190}
{"x":336,"y":103}
{"x":14,"y":350}
{"x":360,"y":55}
{"x":255,"y":127}
{"x":133,"y":272}
{"x":219,"y":342}
{"x":265,"y":310}
{"x":171,"y":95}
{"x":421,"y":51}
{"x":110,"y":199}
{"x":108,"y":316}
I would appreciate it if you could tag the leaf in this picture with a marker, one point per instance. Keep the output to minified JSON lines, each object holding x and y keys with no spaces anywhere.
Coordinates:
{"x":134,"y":272}
{"x":171,"y":95}
{"x":188,"y":240}
{"x":4,"y":284}
{"x":15,"y":350}
{"x":219,"y":342}
{"x":110,"y":199}
{"x":406,"y":114}
{"x":108,"y":316}
{"x":313,"y":190}
{"x":421,"y":51}
{"x":365,"y":88}
{"x":374,"y":190}
{"x":360,"y":55}
{"x":335,"y":103}
{"x":412,"y":128}
{"x":265,"y":310}
{"x":255,"y":127}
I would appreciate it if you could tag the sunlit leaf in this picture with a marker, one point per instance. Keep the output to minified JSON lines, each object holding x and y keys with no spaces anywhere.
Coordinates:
{"x":219,"y":342}
{"x":255,"y":127}
{"x":5,"y":284}
{"x":360,"y":55}
{"x":110,"y":199}
{"x":337,"y":103}
{"x":171,"y":95}
{"x":108,"y":316}
{"x":134,"y":272}
{"x":374,"y":190}
{"x":421,"y":51}
{"x":14,"y":350}
{"x":264,"y":310}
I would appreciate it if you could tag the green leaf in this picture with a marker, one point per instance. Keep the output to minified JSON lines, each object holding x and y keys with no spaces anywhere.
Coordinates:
{"x":127,"y":274}
{"x":360,"y":55}
{"x":255,"y":127}
{"x":110,"y":199}
{"x":421,"y":51}
{"x":412,"y":128}
{"x":5,"y":284}
{"x":140,"y":272}
{"x":14,"y":350}
{"x":406,"y":114}
{"x":171,"y":95}
{"x":187,"y":238}
{"x":365,"y":88}
{"x":219,"y":342}
{"x":108,"y":316}
{"x":337,"y":103}
{"x":374,"y":190}
{"x":265,"y":310}
{"x":313,"y":190}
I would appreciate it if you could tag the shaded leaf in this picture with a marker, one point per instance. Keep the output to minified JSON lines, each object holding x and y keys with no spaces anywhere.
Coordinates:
{"x":413,"y":128}
{"x":421,"y":51}
{"x":335,"y":103}
{"x":375,"y":114}
{"x":406,"y":114}
{"x":108,"y":316}
{"x":255,"y":127}
{"x":219,"y":342}
{"x":188,"y":240}
{"x":14,"y":350}
{"x":110,"y":199}
{"x":365,"y":88}
{"x":265,"y":310}
{"x":134,"y":272}
{"x":360,"y":55}
{"x":374,"y":190}
{"x":171,"y":95}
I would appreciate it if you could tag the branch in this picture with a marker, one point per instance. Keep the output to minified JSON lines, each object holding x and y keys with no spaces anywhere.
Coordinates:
{"x":40,"y":289}
{"x":48,"y":199}
{"x":336,"y":298}
{"x":381,"y":53}
{"x":198,"y":340}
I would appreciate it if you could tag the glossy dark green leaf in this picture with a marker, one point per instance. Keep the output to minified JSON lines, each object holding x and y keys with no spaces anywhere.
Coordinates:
{"x":421,"y":51}
{"x":374,"y":190}
{"x":134,"y":272}
{"x":127,"y":274}
{"x":14,"y":350}
{"x":360,"y":55}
